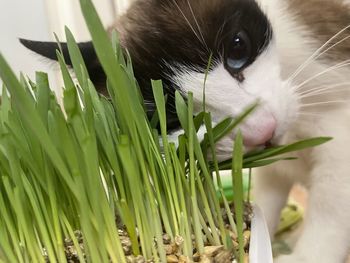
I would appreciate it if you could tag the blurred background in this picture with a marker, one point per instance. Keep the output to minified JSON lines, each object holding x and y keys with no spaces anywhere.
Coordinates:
{"x":37,"y":20}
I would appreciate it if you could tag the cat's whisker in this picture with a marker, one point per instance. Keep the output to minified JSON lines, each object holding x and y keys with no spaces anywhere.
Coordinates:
{"x":332,"y":46}
{"x":319,"y":52}
{"x":337,"y":66}
{"x":324,"y":103}
{"x":197,"y":24}
{"x":220,"y":31}
{"x":322,"y":53}
{"x":324,"y":86}
{"x":323,"y":93}
{"x":326,"y":90}
{"x":305,"y":120}
{"x":309,"y":114}
{"x":189,"y":24}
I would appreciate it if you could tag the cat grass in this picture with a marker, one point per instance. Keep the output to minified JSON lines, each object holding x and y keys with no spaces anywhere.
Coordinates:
{"x":94,"y":179}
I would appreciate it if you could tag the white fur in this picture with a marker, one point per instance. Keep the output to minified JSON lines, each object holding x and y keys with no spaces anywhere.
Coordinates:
{"x":226,"y":96}
{"x":323,"y":170}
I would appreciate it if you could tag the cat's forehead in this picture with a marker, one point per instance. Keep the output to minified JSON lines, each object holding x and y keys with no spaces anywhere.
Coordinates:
{"x":207,"y":18}
{"x":214,"y":19}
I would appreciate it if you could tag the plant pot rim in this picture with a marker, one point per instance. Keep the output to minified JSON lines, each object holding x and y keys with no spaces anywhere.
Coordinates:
{"x":260,"y":250}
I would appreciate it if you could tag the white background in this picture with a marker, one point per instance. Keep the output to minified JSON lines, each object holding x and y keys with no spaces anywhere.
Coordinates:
{"x":37,"y":20}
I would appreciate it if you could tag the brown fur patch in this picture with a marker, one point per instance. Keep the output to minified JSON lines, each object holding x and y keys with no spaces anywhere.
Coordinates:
{"x":325,"y":18}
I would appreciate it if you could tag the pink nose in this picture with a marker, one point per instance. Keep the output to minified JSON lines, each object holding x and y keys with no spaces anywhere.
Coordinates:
{"x":260,"y":132}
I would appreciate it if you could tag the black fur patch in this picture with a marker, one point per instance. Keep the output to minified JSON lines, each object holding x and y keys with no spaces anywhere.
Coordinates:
{"x":48,"y":50}
{"x":163,"y":35}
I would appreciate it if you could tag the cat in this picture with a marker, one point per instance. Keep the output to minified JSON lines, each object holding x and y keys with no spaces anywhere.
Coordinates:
{"x":266,"y":51}
{"x":322,"y":85}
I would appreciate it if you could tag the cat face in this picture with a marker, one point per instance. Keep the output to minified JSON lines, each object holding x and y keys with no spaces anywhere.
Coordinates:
{"x":173,"y":40}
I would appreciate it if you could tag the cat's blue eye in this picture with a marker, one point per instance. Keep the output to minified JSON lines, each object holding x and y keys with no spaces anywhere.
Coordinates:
{"x":238,"y":52}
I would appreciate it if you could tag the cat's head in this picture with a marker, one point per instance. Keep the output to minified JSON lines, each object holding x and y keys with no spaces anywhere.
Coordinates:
{"x":172,"y":40}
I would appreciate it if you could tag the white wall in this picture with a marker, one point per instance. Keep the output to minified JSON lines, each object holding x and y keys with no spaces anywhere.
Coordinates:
{"x":27,"y":19}
{"x":37,"y":20}
{"x":67,"y":12}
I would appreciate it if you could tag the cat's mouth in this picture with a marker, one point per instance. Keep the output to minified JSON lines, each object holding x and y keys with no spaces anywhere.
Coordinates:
{"x":267,"y":145}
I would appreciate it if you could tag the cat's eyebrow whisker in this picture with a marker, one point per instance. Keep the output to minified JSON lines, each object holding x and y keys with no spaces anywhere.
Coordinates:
{"x":337,"y":66}
{"x":217,"y":40}
{"x":319,"y":52}
{"x":199,"y":28}
{"x":325,"y":89}
{"x":189,"y":23}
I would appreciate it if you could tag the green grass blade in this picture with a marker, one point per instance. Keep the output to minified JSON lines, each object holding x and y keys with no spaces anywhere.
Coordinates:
{"x":237,"y":177}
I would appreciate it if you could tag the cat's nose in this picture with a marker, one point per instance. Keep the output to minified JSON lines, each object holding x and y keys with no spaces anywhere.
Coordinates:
{"x":262,"y":131}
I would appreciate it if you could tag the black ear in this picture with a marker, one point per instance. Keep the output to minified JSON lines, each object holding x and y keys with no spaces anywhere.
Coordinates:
{"x":48,"y":50}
